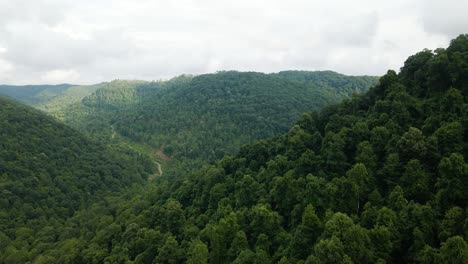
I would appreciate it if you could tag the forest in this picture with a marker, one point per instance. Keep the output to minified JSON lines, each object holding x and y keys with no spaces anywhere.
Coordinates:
{"x":190,"y":120}
{"x":377,"y":177}
{"x":48,"y":172}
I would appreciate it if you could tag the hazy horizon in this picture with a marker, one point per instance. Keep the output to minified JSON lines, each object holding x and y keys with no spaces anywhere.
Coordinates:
{"x":182,"y":74}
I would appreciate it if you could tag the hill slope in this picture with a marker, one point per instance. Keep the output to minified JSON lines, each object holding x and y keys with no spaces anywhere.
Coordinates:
{"x":49,"y":171}
{"x":380,"y":178}
{"x":197,"y":119}
{"x":33,"y":94}
{"x":54,"y":98}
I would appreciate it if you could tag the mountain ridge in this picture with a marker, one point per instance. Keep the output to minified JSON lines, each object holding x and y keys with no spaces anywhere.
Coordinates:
{"x":199,"y":118}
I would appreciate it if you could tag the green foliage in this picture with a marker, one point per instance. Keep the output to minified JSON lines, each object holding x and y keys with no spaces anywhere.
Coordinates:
{"x":47,"y":173}
{"x":50,"y":98}
{"x":193,"y":120}
{"x":199,"y":253}
{"x":33,"y":94}
{"x":378,"y":178}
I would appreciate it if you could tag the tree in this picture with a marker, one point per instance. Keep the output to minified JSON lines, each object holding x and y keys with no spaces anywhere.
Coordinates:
{"x":416,"y":181}
{"x":378,"y":139}
{"x":246,"y":256}
{"x":333,"y":151}
{"x":357,"y":244}
{"x":247,"y":191}
{"x":346,"y":195}
{"x":381,"y":240}
{"x":331,"y":250}
{"x":428,"y":255}
{"x":170,"y":253}
{"x":412,"y":145}
{"x":239,"y":243}
{"x":391,"y":171}
{"x":396,"y":199}
{"x":449,"y":138}
{"x":452,"y":224}
{"x":198,"y":254}
{"x":452,"y":103}
{"x":359,"y":176}
{"x":337,"y":225}
{"x":264,"y":220}
{"x":365,"y":155}
{"x":453,"y":180}
{"x":306,"y":234}
{"x":454,"y":250}
{"x":171,"y":216}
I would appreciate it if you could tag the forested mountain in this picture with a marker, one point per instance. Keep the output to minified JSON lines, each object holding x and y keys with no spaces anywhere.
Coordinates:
{"x":54,"y":98}
{"x":190,"y":120}
{"x":33,"y":94}
{"x":73,"y":94}
{"x":49,"y":171}
{"x":379,"y":178}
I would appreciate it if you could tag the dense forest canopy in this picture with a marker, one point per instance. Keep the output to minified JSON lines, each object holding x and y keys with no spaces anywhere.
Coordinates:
{"x":54,"y":98}
{"x":378,"y":178}
{"x":189,"y":120}
{"x":48,"y":171}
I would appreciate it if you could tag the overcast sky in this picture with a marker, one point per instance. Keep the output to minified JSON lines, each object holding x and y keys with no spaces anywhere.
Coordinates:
{"x":89,"y":41}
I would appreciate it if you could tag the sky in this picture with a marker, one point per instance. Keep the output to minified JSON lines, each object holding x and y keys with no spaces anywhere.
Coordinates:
{"x":90,"y":41}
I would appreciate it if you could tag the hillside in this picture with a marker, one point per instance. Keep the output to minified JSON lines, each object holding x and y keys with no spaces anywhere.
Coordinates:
{"x":73,"y":94}
{"x":49,"y":171}
{"x":33,"y":94}
{"x":379,"y":178}
{"x":54,"y":98}
{"x":190,"y":120}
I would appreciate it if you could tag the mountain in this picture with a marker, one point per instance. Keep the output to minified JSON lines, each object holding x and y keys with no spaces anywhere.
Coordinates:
{"x":48,"y":172}
{"x":33,"y":94}
{"x":378,"y":178}
{"x":54,"y":98}
{"x":189,"y":120}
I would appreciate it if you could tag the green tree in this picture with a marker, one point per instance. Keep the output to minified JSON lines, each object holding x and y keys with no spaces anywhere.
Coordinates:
{"x":238,"y":244}
{"x":454,"y":250}
{"x":306,"y":234}
{"x":453,"y":180}
{"x":365,"y":155}
{"x":331,"y":250}
{"x":170,"y":252}
{"x":416,"y":181}
{"x":412,"y":145}
{"x":198,"y":253}
{"x":359,"y":176}
{"x":449,"y":138}
{"x":396,"y":199}
{"x":452,"y":224}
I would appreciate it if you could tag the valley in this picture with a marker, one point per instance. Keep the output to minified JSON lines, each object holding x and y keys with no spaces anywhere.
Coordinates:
{"x":199,"y":119}
{"x":241,"y":167}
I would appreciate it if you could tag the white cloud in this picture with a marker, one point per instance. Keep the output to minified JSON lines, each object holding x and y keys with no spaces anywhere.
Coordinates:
{"x":448,"y":17}
{"x":6,"y":70}
{"x":96,"y":41}
{"x":60,"y":76}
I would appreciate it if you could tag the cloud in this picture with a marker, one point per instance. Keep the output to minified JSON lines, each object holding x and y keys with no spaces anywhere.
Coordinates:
{"x":60,"y":76}
{"x":5,"y":70}
{"x":91,"y":41}
{"x":446,"y":17}
{"x":356,"y":30}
